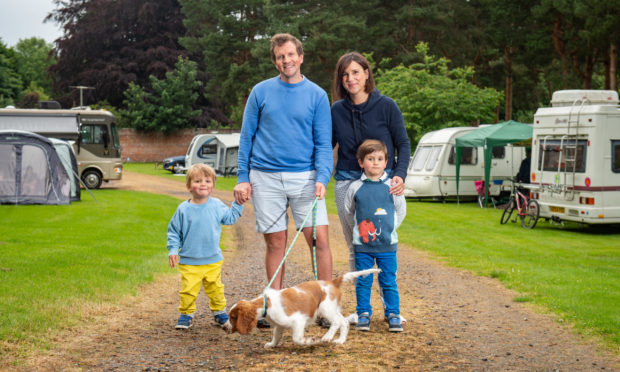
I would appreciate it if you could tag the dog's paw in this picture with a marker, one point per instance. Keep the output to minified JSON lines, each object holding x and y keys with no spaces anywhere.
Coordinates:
{"x":338,"y":341}
{"x":270,"y":345}
{"x":327,"y":338}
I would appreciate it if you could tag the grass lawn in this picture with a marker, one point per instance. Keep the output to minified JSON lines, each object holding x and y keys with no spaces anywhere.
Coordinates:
{"x":58,"y":258}
{"x":571,"y":271}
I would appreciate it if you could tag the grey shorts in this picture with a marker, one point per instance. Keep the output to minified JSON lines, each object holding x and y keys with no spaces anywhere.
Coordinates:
{"x":273,"y":193}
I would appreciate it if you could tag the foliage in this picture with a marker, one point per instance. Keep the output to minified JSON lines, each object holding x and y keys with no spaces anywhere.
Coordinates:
{"x":169,"y":106}
{"x":10,"y":81}
{"x":31,"y":96}
{"x":109,"y":44}
{"x":432,"y":96}
{"x":32,"y":59}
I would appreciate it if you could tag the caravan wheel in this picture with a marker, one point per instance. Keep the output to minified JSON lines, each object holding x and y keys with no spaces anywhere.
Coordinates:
{"x":92,"y":179}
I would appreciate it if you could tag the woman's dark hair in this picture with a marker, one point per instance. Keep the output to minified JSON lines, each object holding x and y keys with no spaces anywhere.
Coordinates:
{"x":338,"y":91}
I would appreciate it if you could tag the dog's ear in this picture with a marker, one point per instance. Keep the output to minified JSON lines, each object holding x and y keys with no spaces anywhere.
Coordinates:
{"x":243,"y":317}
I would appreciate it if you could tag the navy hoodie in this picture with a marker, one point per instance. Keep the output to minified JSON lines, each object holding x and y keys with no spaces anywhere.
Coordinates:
{"x":377,"y":118}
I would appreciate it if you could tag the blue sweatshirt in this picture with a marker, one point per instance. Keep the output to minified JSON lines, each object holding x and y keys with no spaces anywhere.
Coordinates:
{"x":377,"y":118}
{"x":374,"y":214}
{"x":286,"y":128}
{"x":194,"y":230}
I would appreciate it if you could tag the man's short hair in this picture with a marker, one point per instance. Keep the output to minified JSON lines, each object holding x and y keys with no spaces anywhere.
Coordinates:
{"x":198,"y":170}
{"x":369,"y":146}
{"x":280,"y":39}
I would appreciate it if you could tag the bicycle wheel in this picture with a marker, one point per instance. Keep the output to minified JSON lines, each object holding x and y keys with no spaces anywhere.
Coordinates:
{"x":510,"y":207}
{"x":529,"y":219}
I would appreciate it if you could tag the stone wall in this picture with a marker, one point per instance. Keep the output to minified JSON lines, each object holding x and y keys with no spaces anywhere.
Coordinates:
{"x":139,"y":146}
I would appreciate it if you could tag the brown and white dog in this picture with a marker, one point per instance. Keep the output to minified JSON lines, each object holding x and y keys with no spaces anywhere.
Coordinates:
{"x":295,"y":308}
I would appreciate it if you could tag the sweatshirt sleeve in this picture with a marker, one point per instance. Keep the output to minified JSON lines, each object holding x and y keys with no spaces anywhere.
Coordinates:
{"x":248,"y":130}
{"x":232,"y":214}
{"x":400,"y":208}
{"x":349,"y":204}
{"x":322,"y":132}
{"x":175,"y":234}
{"x":401,"y":142}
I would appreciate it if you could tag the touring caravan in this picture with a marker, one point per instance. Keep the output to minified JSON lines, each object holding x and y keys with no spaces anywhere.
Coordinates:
{"x":217,"y":150}
{"x":576,"y":157}
{"x":432,"y":170}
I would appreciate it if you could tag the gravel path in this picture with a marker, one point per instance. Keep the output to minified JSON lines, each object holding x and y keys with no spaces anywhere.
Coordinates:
{"x":457,"y":321}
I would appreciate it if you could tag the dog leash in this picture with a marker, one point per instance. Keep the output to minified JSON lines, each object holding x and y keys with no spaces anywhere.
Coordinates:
{"x":312,"y":210}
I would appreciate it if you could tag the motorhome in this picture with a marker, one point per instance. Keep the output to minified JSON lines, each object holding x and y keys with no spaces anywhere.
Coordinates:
{"x":217,"y":150}
{"x":432,"y":170}
{"x":92,"y":132}
{"x":576,"y":157}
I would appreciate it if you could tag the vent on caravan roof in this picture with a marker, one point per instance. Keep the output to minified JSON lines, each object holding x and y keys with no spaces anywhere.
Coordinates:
{"x":52,"y":105}
{"x":592,"y":97}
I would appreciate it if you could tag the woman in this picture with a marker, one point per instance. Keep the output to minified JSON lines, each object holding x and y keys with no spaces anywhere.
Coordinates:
{"x":359,"y":113}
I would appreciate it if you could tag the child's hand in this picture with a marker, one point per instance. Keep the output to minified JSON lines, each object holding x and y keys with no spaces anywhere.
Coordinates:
{"x":173,"y":259}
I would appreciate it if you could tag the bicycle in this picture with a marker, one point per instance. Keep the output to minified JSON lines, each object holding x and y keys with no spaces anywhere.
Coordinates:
{"x":527,"y":209}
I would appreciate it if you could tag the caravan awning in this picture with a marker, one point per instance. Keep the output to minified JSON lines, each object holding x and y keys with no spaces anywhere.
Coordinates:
{"x":499,"y":134}
{"x":63,"y":126}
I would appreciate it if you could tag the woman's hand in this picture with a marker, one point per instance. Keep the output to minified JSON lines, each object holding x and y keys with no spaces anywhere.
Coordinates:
{"x":398,"y":186}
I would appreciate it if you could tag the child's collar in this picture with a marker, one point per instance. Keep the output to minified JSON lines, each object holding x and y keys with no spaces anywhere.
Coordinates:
{"x":383,"y":177}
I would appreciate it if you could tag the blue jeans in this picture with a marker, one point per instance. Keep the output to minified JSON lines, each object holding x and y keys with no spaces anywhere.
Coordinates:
{"x":386,"y":261}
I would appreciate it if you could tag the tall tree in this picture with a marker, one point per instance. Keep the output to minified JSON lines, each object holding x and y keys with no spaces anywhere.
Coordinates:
{"x":32,"y":59}
{"x":10,"y":82}
{"x":109,"y":43}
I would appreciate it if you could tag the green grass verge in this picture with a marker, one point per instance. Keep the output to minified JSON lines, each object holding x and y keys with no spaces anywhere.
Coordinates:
{"x":57,"y":258}
{"x":573,"y":271}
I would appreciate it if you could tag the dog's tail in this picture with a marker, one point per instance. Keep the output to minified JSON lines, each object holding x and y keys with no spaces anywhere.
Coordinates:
{"x":354,"y":274}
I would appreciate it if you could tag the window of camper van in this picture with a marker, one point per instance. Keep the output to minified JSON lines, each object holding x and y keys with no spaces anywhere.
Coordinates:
{"x":432,"y":159}
{"x":94,"y":134}
{"x":615,"y":161}
{"x":209,"y":148}
{"x":498,"y":152}
{"x":469,"y":156}
{"x":419,"y":159}
{"x":553,"y":155}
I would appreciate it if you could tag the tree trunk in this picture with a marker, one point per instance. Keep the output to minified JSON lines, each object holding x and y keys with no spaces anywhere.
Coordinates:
{"x":613,"y":67}
{"x":508,"y":62}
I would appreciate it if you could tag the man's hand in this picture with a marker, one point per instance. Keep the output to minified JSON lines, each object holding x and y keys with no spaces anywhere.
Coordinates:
{"x":242,"y":192}
{"x":319,"y":190}
{"x":173,"y":259}
{"x":398,"y":186}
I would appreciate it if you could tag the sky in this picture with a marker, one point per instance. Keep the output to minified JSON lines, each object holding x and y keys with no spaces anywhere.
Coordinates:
{"x":22,"y":19}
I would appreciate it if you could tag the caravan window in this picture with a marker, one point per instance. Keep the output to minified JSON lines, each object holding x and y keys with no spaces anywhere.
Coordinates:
{"x":94,"y":134}
{"x":419,"y":159}
{"x":209,"y":148}
{"x":615,"y":154}
{"x":432,"y":159}
{"x":469,"y":156}
{"x":562,"y":159}
{"x":498,"y":152}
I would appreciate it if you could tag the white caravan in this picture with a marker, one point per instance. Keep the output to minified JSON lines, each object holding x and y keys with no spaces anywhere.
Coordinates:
{"x":432,"y":170}
{"x":576,"y":157}
{"x":220,"y":151}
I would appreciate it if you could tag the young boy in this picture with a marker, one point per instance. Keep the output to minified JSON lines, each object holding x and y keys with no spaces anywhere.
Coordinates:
{"x":375,"y":214}
{"x":193,"y":241}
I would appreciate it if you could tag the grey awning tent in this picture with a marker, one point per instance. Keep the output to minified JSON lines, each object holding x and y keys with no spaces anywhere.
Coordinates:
{"x":30,"y":170}
{"x":69,"y":162}
{"x":499,"y":134}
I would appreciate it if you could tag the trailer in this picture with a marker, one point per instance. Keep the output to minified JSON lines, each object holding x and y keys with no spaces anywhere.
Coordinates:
{"x":220,"y":151}
{"x":576,"y":157}
{"x":92,"y":132}
{"x":432,"y":170}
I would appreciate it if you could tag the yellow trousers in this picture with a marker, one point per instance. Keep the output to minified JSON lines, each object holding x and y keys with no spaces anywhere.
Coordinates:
{"x":211,"y":278}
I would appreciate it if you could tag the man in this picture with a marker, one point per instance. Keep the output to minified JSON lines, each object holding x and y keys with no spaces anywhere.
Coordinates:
{"x":285,"y":156}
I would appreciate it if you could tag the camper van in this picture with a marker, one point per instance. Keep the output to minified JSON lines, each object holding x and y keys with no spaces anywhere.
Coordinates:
{"x":432,"y":170}
{"x":92,"y":132}
{"x":217,"y":150}
{"x":576,"y":157}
